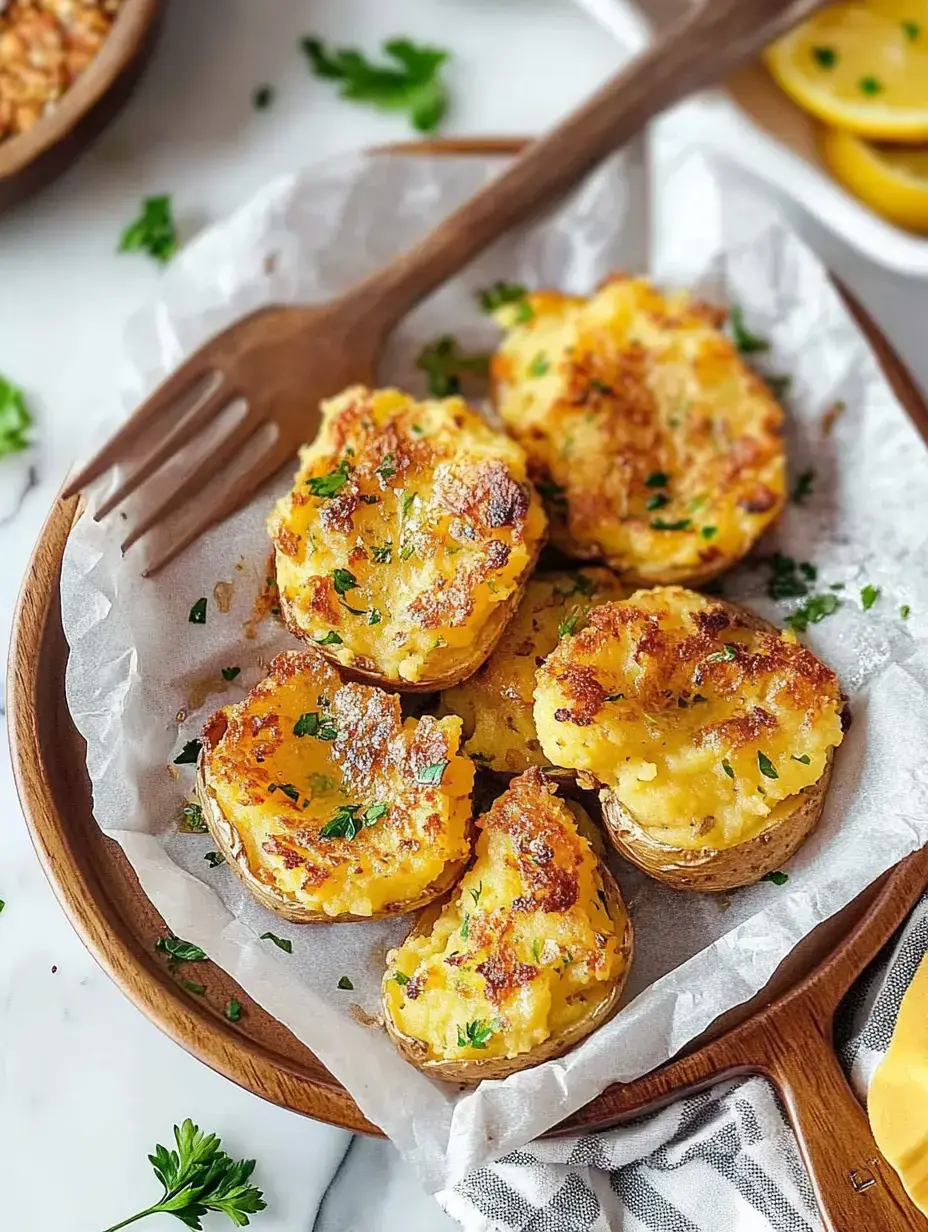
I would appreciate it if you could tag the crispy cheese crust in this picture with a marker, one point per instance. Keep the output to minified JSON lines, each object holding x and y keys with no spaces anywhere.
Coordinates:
{"x":526,"y":957}
{"x":407,"y":537}
{"x":703,"y":723}
{"x":656,"y":446}
{"x":304,"y":749}
{"x":496,"y":702}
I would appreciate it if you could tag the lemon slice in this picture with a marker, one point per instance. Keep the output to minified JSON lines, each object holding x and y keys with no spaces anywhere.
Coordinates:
{"x":891,"y":179}
{"x":861,"y":65}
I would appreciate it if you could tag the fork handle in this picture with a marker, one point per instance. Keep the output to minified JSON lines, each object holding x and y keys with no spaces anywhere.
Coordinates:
{"x":695,"y":51}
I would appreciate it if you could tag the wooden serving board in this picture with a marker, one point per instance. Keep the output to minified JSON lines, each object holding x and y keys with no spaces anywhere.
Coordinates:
{"x":785,"y":1033}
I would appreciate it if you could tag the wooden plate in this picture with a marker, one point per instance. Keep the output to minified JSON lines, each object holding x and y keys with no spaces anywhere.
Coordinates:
{"x":785,"y":1032}
{"x":31,"y":159}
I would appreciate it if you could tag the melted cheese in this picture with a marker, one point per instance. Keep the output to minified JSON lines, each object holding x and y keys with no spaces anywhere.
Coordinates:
{"x":897,"y":1102}
{"x":407,"y":527}
{"x":524,"y":949}
{"x":680,"y":707}
{"x":657,"y":446}
{"x":496,"y":702}
{"x":278,"y":790}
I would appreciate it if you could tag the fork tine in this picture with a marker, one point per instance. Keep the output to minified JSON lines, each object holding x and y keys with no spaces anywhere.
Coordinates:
{"x":267,"y":465}
{"x":212,"y":464}
{"x":168,"y":392}
{"x":195,"y":420}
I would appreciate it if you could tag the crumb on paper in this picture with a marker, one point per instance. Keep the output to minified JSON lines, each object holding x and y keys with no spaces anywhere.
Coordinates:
{"x":181,"y":716}
{"x":223,"y":593}
{"x":174,"y":773}
{"x":269,"y":264}
{"x":723,"y":902}
{"x":266,"y":601}
{"x":359,"y":1014}
{"x":832,"y":414}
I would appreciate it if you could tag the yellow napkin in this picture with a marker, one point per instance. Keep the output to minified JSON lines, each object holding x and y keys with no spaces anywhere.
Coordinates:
{"x":898,"y":1100}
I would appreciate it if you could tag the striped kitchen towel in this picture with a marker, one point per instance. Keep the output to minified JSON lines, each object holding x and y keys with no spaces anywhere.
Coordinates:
{"x":722,"y":1161}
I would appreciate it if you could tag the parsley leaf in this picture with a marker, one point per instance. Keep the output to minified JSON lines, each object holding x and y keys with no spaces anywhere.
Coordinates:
{"x":726,"y":766}
{"x":214,"y":859}
{"x":475,"y":894}
{"x":500,"y":293}
{"x":198,"y":613}
{"x":904,"y":611}
{"x":709,"y":532}
{"x":192,"y":986}
{"x":193,"y":817}
{"x":766,"y":766}
{"x":657,"y":479}
{"x":911,"y":29}
{"x":412,"y":84}
{"x":199,"y":1177}
{"x":233,"y":1010}
{"x":657,"y":501}
{"x":433,"y":773}
{"x":374,"y":617}
{"x":400,"y":978}
{"x":870,"y":85}
{"x":868,"y":596}
{"x":229,"y":673}
{"x":179,"y":951}
{"x":153,"y":231}
{"x":188,"y":754}
{"x":444,"y":365}
{"x":327,"y":486}
{"x":746,"y":342}
{"x":475,"y":1034}
{"x":465,"y":926}
{"x":14,"y":419}
{"x":789,"y":578}
{"x":539,"y":365}
{"x":660,"y":524}
{"x":313,"y":724}
{"x":812,"y":611}
{"x":536,"y":950}
{"x":777,"y":878}
{"x":345,"y":983}
{"x":728,"y":652}
{"x":568,"y":626}
{"x":802,"y":757}
{"x":803,"y":486}
{"x":825,"y":57}
{"x":282,"y":943}
{"x":386,"y":470}
{"x":262,"y":98}
{"x":328,"y":639}
{"x":348,"y":820}
{"x":343,"y":580}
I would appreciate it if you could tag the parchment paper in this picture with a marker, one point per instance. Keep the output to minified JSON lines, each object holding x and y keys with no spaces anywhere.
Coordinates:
{"x":136,"y":661}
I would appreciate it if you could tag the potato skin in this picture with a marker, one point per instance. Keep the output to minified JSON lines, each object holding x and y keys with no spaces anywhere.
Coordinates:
{"x":471,"y":1071}
{"x":705,"y":869}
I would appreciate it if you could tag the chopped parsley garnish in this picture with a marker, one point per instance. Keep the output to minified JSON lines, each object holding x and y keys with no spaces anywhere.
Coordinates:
{"x":386,"y":470}
{"x":500,"y":293}
{"x":433,"y":773}
{"x":287,"y":788}
{"x":229,"y":673}
{"x":789,"y":579}
{"x":536,"y":950}
{"x":214,"y":859}
{"x":197,"y":989}
{"x":812,"y":611}
{"x":476,"y":1033}
{"x":262,"y":98}
{"x":600,"y":387}
{"x":709,"y":532}
{"x":381,"y":555}
{"x":911,"y":29}
{"x":368,"y":498}
{"x":198,"y":613}
{"x":349,"y":821}
{"x":726,"y":766}
{"x":406,"y":503}
{"x":475,"y":894}
{"x":153,"y":231}
{"x":188,"y":754}
{"x":233,"y":1010}
{"x":444,"y":365}
{"x":568,"y":626}
{"x":343,"y":580}
{"x":193,"y":816}
{"x":657,"y":479}
{"x":868,"y":596}
{"x":327,"y":486}
{"x":539,"y":365}
{"x":465,"y":926}
{"x":411,"y":83}
{"x":660,"y":524}
{"x":746,"y":342}
{"x":657,"y":501}
{"x":825,"y":57}
{"x":803,"y":486}
{"x":400,"y":978}
{"x":802,"y":757}
{"x":179,"y":951}
{"x":779,"y":385}
{"x":766,"y":766}
{"x":282,"y":943}
{"x":777,"y":878}
{"x":614,"y":697}
{"x":328,"y":639}
{"x":345,"y":983}
{"x":313,"y":724}
{"x":904,"y":611}
{"x":870,"y":85}
{"x":728,"y":652}
{"x":14,"y":419}
{"x":373,"y":616}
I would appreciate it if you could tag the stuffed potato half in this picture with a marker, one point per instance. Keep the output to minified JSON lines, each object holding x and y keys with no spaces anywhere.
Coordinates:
{"x":327,"y":804}
{"x":711,"y":734}
{"x":496,"y":702}
{"x":406,"y":540}
{"x":527,"y":957}
{"x":657,"y":448}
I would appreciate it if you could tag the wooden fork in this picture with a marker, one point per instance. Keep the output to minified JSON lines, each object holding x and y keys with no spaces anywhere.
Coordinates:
{"x":282,"y":360}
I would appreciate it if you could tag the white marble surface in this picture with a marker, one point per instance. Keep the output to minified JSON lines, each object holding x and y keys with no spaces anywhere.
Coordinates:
{"x":87,"y":1085}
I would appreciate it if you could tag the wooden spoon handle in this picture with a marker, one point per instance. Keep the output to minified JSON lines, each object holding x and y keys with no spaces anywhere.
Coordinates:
{"x":695,"y":51}
{"x":856,"y":1188}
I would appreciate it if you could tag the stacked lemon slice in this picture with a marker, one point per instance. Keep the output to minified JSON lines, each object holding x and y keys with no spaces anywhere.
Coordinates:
{"x":862,"y":68}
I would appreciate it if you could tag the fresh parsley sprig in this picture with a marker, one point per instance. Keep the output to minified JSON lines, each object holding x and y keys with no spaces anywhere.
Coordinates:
{"x":153,"y":231}
{"x":444,"y":364}
{"x":199,"y":1177}
{"x":14,"y":419}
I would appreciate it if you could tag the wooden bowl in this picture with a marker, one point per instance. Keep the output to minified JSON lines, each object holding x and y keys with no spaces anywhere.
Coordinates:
{"x":785,"y":1032}
{"x":31,"y":159}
